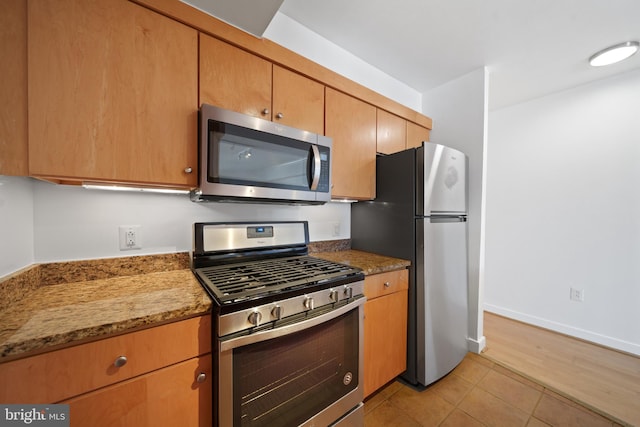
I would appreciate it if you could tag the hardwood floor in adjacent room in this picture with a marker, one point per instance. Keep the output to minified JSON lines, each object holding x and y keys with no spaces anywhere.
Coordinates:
{"x":605,"y":380}
{"x":477,"y":393}
{"x":527,"y":376}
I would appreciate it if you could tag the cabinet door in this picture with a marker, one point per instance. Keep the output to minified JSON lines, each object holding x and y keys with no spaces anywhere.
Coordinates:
{"x":416,"y":134}
{"x":68,"y":372}
{"x":234,"y":79}
{"x":385,"y":340}
{"x":391,"y":133}
{"x":352,"y":125}
{"x":171,"y":396}
{"x":13,"y":88}
{"x":112,"y":93}
{"x":297,"y":101}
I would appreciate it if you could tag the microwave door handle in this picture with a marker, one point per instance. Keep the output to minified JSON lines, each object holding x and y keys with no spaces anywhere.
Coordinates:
{"x":315,"y":179}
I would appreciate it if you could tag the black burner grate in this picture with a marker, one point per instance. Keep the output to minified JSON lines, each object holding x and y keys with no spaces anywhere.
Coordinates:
{"x":248,"y":280}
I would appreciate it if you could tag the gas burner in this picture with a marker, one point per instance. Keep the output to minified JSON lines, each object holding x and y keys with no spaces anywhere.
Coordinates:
{"x":248,"y":264}
{"x":232,"y":283}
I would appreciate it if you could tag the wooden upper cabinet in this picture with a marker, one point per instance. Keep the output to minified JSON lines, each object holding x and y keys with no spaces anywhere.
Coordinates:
{"x":391,"y":133}
{"x":112,"y":93}
{"x":233,"y":79}
{"x":416,"y":134}
{"x":352,"y":125}
{"x":13,"y":88}
{"x":236,"y":80}
{"x":297,"y":101}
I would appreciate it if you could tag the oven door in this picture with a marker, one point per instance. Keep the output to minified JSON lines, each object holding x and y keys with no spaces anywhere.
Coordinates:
{"x":307,"y":373}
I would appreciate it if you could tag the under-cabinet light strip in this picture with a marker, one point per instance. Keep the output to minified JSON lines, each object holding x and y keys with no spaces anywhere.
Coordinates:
{"x":133,"y":189}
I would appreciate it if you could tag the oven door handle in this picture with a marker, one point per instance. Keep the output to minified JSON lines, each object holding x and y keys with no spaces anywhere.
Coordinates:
{"x":289,"y":329}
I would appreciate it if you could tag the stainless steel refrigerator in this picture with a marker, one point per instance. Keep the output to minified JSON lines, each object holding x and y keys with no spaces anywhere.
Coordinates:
{"x":420,"y":214}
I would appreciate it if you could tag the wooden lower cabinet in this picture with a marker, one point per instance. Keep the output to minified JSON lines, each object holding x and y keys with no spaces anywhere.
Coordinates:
{"x":385,"y":328}
{"x":148,"y":377}
{"x":171,"y":396}
{"x":62,"y":374}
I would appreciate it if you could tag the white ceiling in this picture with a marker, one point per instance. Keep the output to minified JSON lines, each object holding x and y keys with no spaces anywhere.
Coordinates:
{"x":531,"y":48}
{"x":234,"y":12}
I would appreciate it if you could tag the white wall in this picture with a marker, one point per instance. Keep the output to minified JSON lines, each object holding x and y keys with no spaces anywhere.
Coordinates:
{"x":16,"y":224}
{"x":458,"y":109}
{"x":75,"y":223}
{"x":563,"y":210}
{"x":290,"y":34}
{"x":43,"y":222}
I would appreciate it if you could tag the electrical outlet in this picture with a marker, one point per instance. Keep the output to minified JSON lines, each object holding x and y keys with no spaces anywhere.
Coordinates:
{"x":576,"y":295}
{"x":336,"y":229}
{"x":130,"y":237}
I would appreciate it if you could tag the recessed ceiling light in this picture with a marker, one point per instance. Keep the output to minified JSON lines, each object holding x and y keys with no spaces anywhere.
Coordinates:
{"x":614,"y":54}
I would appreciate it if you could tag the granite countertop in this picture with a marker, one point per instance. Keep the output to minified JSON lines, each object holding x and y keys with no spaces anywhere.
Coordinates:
{"x":369,"y":263}
{"x":48,"y":306}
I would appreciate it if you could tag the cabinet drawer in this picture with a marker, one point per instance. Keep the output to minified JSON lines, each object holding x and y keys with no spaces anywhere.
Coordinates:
{"x":386,"y":283}
{"x":168,"y":397}
{"x":57,"y":375}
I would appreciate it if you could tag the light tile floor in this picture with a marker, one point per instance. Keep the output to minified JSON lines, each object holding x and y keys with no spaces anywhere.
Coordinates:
{"x":477,"y":393}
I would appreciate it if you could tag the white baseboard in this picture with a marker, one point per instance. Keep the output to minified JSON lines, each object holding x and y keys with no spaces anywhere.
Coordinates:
{"x":476,"y":346}
{"x":604,"y":340}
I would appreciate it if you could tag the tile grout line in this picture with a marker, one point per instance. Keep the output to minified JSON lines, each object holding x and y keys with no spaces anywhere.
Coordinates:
{"x":492,"y":368}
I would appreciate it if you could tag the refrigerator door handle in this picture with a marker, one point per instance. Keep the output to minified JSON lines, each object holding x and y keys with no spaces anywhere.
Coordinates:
{"x":441,"y":219}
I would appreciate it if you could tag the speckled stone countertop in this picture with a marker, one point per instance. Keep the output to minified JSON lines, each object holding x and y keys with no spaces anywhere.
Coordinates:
{"x":368,"y":262}
{"x":47,"y":306}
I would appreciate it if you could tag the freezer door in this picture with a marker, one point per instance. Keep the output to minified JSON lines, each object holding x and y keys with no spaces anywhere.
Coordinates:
{"x":441,"y":294}
{"x":441,"y":180}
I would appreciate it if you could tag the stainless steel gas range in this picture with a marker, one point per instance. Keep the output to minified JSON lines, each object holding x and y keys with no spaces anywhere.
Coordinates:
{"x":287,"y":332}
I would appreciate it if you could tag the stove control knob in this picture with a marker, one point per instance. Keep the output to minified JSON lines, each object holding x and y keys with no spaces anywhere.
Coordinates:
{"x":276,"y":313}
{"x":333,"y":295}
{"x":308,"y":303}
{"x":255,"y":317}
{"x":348,"y":292}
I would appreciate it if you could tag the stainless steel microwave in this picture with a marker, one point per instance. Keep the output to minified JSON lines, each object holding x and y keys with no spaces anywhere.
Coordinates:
{"x":248,"y":159}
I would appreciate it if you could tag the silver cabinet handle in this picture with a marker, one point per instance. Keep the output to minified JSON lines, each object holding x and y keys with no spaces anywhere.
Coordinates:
{"x":279,"y":116}
{"x":188,"y":170}
{"x":265,"y":112}
{"x":387,"y":284}
{"x":202,"y":377}
{"x":120,"y":361}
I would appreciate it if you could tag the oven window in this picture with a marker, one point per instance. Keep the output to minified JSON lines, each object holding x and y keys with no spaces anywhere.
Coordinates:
{"x":287,"y":380}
